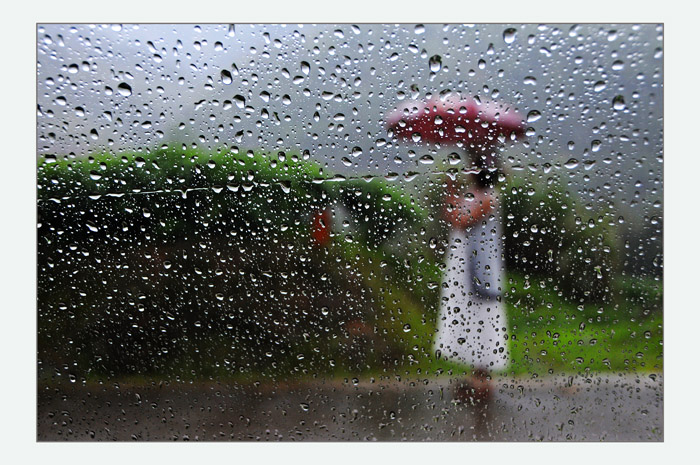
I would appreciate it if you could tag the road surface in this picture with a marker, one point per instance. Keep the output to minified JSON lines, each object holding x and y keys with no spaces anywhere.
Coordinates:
{"x":564,"y":408}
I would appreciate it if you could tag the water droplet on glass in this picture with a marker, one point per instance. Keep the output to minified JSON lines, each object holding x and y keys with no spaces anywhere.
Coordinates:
{"x":618,"y":103}
{"x":599,"y":86}
{"x":435,"y":63}
{"x":509,"y":35}
{"x":419,"y":29}
{"x":533,"y":116}
{"x":571,"y":164}
{"x":239,"y":100}
{"x":226,"y":77}
{"x":124,"y":89}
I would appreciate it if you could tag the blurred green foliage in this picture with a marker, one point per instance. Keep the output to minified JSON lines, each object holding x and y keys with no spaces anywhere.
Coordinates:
{"x":188,"y":264}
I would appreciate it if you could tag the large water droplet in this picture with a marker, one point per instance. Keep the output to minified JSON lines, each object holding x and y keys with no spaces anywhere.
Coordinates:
{"x":124,"y":89}
{"x":226,"y":77}
{"x":599,"y":86}
{"x":239,"y":100}
{"x":435,"y":63}
{"x":619,"y":103}
{"x":571,"y":164}
{"x":509,"y":35}
{"x":533,"y":116}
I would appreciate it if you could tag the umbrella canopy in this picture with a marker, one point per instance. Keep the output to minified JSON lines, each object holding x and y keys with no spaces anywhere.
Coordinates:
{"x":479,"y":125}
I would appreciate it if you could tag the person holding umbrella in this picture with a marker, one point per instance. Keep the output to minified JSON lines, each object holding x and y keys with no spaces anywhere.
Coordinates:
{"x":471,"y":327}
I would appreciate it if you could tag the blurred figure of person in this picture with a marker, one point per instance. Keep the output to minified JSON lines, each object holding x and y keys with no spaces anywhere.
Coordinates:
{"x":471,"y":326}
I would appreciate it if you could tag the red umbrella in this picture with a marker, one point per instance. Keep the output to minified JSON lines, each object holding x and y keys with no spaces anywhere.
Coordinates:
{"x":480,"y":125}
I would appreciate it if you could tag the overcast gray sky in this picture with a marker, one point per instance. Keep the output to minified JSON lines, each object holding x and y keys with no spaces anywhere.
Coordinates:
{"x":327,"y":88}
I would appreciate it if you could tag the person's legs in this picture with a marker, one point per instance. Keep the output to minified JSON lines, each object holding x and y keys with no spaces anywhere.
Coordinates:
{"x":476,"y":390}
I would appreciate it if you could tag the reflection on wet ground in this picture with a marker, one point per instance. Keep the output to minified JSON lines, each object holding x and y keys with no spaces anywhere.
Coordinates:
{"x":598,"y":408}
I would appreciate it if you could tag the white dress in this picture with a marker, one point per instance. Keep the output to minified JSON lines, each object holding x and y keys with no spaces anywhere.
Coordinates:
{"x":471,"y":326}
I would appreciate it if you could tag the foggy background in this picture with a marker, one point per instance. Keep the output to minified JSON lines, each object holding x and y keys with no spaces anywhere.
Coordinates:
{"x":593,"y":94}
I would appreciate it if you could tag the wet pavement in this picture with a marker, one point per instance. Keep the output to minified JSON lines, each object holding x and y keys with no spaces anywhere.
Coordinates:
{"x":564,"y":408}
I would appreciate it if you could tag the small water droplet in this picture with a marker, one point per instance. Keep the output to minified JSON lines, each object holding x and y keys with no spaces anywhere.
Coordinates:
{"x":419,"y":29}
{"x":599,"y":86}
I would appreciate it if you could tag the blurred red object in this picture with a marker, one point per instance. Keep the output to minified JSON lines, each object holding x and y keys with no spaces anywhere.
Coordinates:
{"x":320,"y":227}
{"x":452,"y":119}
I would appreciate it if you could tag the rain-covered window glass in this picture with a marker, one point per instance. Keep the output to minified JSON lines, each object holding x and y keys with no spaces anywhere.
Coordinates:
{"x":350,"y":232}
